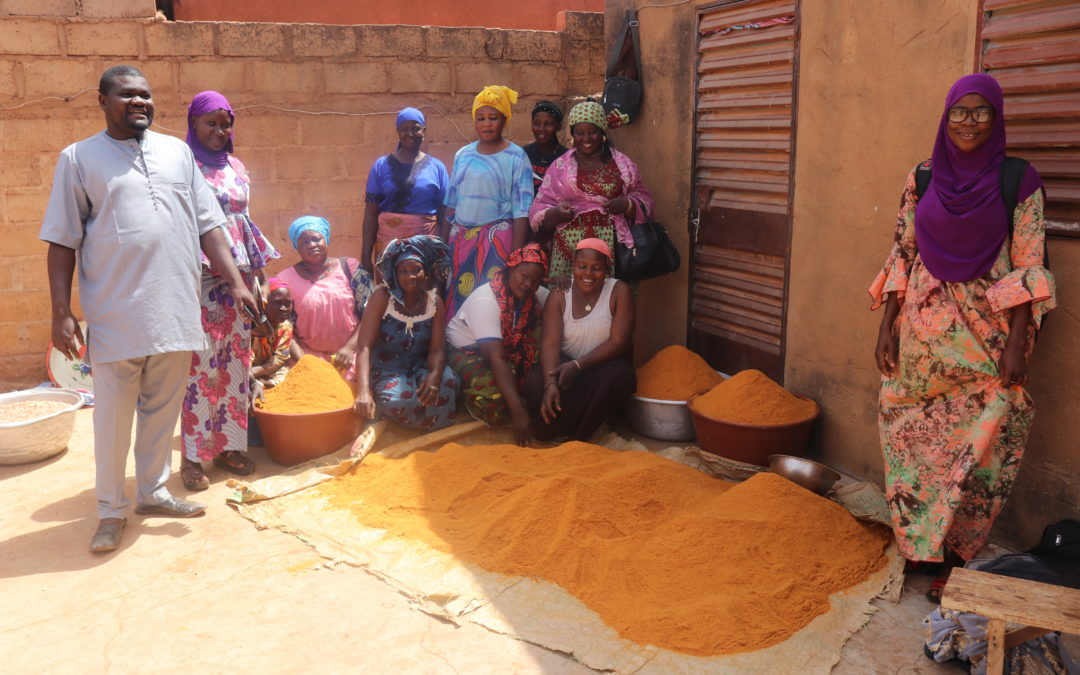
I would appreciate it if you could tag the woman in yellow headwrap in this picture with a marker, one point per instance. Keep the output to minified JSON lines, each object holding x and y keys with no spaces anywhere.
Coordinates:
{"x":488,"y":199}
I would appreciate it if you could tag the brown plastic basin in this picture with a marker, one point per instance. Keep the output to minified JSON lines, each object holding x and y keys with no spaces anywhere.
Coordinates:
{"x":751,"y":443}
{"x":292,"y":438}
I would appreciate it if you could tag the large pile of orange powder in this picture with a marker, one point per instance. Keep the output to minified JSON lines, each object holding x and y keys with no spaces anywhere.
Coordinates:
{"x":675,"y":374}
{"x":750,"y":397}
{"x":666,"y":555}
{"x":312,"y":386}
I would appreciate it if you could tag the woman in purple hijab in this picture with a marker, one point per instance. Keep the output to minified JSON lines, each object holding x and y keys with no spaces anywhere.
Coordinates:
{"x":214,"y":419}
{"x":965,"y":289}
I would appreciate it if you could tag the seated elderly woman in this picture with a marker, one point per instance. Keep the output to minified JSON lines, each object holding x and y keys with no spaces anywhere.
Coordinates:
{"x":592,"y":191}
{"x":401,"y":359}
{"x":328,"y":295}
{"x":493,"y":340}
{"x":585,"y":372}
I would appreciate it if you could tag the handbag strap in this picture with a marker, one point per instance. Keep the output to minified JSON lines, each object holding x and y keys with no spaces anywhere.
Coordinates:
{"x":617,"y":63}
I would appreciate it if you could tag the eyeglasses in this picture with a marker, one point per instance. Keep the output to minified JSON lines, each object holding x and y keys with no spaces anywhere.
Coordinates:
{"x":980,"y":115}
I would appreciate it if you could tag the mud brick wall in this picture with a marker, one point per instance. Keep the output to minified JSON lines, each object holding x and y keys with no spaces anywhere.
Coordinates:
{"x":53,"y":51}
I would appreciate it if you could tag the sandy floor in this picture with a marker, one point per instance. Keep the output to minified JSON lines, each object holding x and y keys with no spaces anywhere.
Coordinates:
{"x":213,"y":594}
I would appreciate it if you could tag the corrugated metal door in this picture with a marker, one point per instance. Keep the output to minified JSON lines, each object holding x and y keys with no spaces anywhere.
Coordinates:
{"x":742,"y":176}
{"x":1032,"y":47}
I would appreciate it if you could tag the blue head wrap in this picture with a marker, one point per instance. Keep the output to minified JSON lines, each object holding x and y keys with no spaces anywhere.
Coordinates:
{"x":431,"y":251}
{"x":305,"y":223}
{"x":410,"y":115}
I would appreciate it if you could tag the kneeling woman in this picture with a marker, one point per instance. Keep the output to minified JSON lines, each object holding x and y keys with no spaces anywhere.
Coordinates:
{"x":493,"y":340}
{"x":401,"y":361}
{"x":585,"y":372}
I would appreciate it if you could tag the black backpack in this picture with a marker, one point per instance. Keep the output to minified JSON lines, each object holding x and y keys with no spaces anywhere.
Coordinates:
{"x":623,"y":84}
{"x":1012,"y":173}
{"x":1059,"y":549}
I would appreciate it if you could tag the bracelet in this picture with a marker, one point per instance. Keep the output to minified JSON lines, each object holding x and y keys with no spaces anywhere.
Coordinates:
{"x":575,"y":362}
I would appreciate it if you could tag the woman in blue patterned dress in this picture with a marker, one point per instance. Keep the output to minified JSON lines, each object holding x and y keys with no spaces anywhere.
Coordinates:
{"x":488,"y":199}
{"x":401,"y":369}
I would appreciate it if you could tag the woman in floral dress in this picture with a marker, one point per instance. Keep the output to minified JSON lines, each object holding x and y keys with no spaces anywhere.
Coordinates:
{"x":965,"y":289}
{"x":213,"y":422}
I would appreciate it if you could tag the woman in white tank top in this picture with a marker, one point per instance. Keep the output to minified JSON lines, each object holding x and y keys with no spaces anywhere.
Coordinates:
{"x":585,"y":372}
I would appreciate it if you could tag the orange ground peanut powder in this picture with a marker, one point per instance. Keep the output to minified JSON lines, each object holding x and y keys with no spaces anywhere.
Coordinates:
{"x":666,"y":555}
{"x":312,"y":386}
{"x":675,"y":374}
{"x":750,"y":397}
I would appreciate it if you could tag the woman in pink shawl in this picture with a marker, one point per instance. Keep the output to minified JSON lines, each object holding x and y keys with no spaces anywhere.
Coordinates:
{"x":592,"y":191}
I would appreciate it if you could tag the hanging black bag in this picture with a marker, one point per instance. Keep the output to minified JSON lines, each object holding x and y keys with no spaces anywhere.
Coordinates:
{"x":653,"y":254}
{"x":622,"y":86}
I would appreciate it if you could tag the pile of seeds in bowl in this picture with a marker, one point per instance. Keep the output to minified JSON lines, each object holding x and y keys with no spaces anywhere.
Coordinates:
{"x":24,"y":411}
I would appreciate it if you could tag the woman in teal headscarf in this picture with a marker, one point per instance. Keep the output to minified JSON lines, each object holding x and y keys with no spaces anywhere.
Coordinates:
{"x":329,"y":295}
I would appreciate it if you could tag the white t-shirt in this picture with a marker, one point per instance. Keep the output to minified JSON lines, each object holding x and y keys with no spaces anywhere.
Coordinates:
{"x":134,"y":211}
{"x":479,"y":318}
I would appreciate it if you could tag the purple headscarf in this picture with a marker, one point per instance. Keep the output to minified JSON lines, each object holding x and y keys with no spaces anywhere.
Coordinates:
{"x":960,"y":223}
{"x":204,"y":102}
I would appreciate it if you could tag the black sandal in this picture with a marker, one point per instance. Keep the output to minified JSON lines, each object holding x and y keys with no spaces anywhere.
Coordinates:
{"x":194,"y":478}
{"x":246,"y":468}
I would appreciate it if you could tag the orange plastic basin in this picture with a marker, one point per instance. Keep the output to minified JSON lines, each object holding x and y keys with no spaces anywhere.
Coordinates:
{"x":292,"y":438}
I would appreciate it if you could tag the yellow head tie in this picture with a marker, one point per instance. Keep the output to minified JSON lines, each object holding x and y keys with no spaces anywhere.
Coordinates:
{"x":496,"y":96}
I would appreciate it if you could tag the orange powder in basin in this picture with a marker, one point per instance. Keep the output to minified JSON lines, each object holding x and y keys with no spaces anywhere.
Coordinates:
{"x":675,"y":374}
{"x":750,"y":397}
{"x":664,"y":554}
{"x":312,"y":386}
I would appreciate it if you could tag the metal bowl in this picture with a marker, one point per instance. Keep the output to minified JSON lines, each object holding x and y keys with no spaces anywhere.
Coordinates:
{"x":42,"y":437}
{"x":660,"y":419}
{"x":811,"y":475}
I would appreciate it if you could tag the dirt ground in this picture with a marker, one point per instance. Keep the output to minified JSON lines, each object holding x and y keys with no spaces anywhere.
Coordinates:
{"x":214,"y":594}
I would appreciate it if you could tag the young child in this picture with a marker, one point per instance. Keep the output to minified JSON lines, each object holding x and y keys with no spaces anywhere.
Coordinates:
{"x":273,"y":354}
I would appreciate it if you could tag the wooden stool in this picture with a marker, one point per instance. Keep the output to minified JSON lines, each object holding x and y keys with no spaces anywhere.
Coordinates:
{"x":1041,"y":608}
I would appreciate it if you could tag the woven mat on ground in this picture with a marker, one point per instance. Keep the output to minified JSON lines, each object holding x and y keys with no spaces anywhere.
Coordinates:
{"x":527,"y":609}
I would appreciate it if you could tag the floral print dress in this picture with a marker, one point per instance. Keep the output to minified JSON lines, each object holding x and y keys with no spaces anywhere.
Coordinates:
{"x":214,"y":417}
{"x":951,"y":433}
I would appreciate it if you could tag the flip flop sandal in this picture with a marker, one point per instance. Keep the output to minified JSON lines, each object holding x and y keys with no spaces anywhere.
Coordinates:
{"x":194,"y":478}
{"x":247,"y":465}
{"x":936,"y":587}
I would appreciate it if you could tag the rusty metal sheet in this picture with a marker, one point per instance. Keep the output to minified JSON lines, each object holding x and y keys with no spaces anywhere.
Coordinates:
{"x":1063,"y":47}
{"x":1042,"y":105}
{"x":730,"y":14}
{"x":742,"y":160}
{"x":1042,"y":18}
{"x":1032,"y":47}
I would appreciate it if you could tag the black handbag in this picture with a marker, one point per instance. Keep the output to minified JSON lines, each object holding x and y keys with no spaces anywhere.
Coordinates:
{"x":653,"y":254}
{"x":623,"y":86}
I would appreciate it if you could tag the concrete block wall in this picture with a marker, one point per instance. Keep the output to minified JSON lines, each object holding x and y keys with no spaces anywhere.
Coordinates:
{"x":300,"y":163}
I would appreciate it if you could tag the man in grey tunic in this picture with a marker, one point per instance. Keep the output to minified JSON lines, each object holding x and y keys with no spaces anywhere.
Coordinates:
{"x":133,"y":208}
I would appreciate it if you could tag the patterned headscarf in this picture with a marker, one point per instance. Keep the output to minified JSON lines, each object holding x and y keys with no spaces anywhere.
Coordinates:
{"x":592,"y":112}
{"x":274,"y":283}
{"x":587,"y":111}
{"x":519,"y":319}
{"x":309,"y":223}
{"x":549,"y":108}
{"x":496,"y":96}
{"x":206,"y":102}
{"x":431,"y":251}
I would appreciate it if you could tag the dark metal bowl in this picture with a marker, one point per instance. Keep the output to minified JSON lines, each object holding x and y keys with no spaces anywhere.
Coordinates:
{"x":805,"y":472}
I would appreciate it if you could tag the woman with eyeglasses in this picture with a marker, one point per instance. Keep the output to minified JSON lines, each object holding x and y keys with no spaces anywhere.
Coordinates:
{"x":965,"y":289}
{"x":405,"y":191}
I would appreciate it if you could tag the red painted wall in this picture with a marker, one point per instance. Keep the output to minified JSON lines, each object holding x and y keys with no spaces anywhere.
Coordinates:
{"x":523,"y":14}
